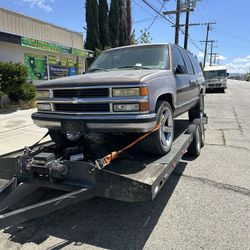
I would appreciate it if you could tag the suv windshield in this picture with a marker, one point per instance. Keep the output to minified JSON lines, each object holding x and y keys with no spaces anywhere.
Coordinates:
{"x":215,"y":74}
{"x":141,"y":57}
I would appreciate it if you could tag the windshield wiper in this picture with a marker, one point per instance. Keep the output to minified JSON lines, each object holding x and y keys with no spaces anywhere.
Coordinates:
{"x":133,"y":67}
{"x":96,"y":69}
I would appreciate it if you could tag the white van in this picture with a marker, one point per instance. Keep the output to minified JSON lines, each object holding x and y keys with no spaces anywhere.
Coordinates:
{"x":216,"y":77}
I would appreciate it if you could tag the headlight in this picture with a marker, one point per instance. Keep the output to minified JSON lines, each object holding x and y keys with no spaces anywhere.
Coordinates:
{"x":42,"y":94}
{"x":142,"y":91}
{"x":126,"y":107}
{"x":43,"y":107}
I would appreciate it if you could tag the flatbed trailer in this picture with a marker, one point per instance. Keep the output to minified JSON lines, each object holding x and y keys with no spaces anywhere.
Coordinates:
{"x":133,"y":177}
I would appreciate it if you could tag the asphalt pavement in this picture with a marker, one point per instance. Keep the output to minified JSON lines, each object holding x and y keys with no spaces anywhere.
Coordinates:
{"x":205,"y":204}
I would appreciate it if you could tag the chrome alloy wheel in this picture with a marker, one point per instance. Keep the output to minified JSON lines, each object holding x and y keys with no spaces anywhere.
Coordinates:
{"x":167,"y":127}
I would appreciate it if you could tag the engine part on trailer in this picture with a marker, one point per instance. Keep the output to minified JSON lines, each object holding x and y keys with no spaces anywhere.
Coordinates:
{"x":45,"y":165}
{"x":44,"y":158}
{"x":57,"y":170}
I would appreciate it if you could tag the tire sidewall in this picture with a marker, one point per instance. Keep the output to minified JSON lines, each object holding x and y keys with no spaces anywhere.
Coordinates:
{"x":161,"y":106}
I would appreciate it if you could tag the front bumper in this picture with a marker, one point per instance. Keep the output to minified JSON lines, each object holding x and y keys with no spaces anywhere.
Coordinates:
{"x":100,"y":123}
{"x":217,"y":85}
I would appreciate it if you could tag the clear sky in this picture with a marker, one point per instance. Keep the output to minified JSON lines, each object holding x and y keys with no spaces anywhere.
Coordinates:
{"x":231,"y":31}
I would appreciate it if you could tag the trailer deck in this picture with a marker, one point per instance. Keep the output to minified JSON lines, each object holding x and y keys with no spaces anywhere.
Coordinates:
{"x":132,"y":177}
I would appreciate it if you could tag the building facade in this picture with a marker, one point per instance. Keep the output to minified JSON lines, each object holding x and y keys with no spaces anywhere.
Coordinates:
{"x":47,"y":50}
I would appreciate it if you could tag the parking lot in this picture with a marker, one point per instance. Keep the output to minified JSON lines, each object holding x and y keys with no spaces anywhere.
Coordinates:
{"x":205,"y":204}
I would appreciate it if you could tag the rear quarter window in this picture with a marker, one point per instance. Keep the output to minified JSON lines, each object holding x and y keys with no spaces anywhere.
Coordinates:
{"x":177,"y":58}
{"x":196,"y":65}
{"x":188,"y":63}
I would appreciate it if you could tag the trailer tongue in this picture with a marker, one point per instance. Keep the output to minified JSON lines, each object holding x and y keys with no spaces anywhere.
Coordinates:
{"x":132,"y":177}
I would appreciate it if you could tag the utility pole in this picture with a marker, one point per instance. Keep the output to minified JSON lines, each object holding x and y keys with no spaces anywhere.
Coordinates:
{"x":205,"y":53}
{"x":177,"y":22}
{"x":206,"y":43}
{"x":187,"y":24}
{"x":215,"y":56}
{"x":178,"y":11}
{"x":187,"y":27}
{"x":211,"y":49}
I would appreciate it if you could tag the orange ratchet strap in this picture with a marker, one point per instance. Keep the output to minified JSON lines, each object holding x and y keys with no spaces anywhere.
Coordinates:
{"x":101,"y":163}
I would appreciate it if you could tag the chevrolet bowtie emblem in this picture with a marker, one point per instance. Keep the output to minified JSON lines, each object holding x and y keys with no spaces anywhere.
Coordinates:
{"x":75,"y":101}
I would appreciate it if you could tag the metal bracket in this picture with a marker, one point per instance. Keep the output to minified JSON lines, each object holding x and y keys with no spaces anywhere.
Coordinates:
{"x":39,"y":209}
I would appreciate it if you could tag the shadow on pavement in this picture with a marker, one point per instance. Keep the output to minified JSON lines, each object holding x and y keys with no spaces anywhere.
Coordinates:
{"x":215,"y":91}
{"x":99,"y":222}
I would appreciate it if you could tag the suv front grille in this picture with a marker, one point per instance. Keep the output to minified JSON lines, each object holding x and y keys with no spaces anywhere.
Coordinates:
{"x":82,"y":93}
{"x":84,"y":108}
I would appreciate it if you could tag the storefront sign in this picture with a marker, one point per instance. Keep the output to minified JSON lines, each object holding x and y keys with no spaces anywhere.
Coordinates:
{"x":80,"y":52}
{"x":57,"y":71}
{"x":52,"y":60}
{"x":70,"y":62}
{"x":72,"y":71}
{"x":43,"y":45}
{"x":64,"y":61}
{"x":37,"y":67}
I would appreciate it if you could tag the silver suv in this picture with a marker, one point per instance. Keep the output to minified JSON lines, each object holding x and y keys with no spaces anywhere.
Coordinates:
{"x":128,"y":90}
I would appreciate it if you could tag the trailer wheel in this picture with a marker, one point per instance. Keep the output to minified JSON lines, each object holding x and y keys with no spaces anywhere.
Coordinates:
{"x":195,"y":147}
{"x":200,"y":123}
{"x":160,"y":142}
{"x":197,"y":110}
{"x":64,"y":139}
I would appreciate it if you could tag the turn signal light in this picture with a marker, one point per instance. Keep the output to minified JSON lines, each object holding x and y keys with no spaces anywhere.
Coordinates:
{"x":144,"y":106}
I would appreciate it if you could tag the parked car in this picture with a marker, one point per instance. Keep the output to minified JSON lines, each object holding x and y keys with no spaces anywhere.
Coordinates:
{"x":127,"y":90}
{"x":216,"y":77}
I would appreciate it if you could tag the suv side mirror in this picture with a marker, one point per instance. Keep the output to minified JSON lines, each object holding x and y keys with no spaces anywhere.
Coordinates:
{"x":227,"y":74}
{"x":180,"y":69}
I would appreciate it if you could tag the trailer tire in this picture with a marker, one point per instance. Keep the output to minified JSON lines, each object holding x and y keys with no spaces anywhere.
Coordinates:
{"x":194,"y":148}
{"x":62,"y":139}
{"x":160,"y":141}
{"x":200,"y":123}
{"x":197,"y":110}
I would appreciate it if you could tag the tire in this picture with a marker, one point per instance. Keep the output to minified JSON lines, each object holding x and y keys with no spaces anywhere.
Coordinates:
{"x":160,"y":142}
{"x":197,"y":110}
{"x":194,"y":148}
{"x":202,"y":130}
{"x":62,"y":139}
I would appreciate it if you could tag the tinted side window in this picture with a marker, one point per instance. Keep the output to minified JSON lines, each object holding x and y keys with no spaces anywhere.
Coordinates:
{"x":196,"y":65}
{"x":177,"y":58}
{"x":188,"y":62}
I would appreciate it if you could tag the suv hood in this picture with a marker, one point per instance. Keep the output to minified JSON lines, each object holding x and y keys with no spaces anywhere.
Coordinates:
{"x":101,"y":78}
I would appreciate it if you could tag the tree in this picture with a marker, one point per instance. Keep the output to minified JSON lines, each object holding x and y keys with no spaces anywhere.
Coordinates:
{"x":103,"y":23}
{"x":114,"y":22}
{"x":144,"y":37}
{"x":122,"y":25}
{"x":130,"y":34}
{"x":92,"y":37}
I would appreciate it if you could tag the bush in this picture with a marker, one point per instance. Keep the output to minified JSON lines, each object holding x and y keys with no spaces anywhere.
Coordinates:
{"x":13,"y":82}
{"x":25,"y":92}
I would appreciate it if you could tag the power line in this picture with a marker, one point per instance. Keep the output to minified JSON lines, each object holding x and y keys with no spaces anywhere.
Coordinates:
{"x":143,"y":20}
{"x":158,"y":12}
{"x":150,"y":25}
{"x":145,"y":10}
{"x":171,"y":22}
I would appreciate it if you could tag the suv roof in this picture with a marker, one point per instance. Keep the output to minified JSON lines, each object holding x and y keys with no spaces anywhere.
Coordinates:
{"x":216,"y":67}
{"x":138,"y":45}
